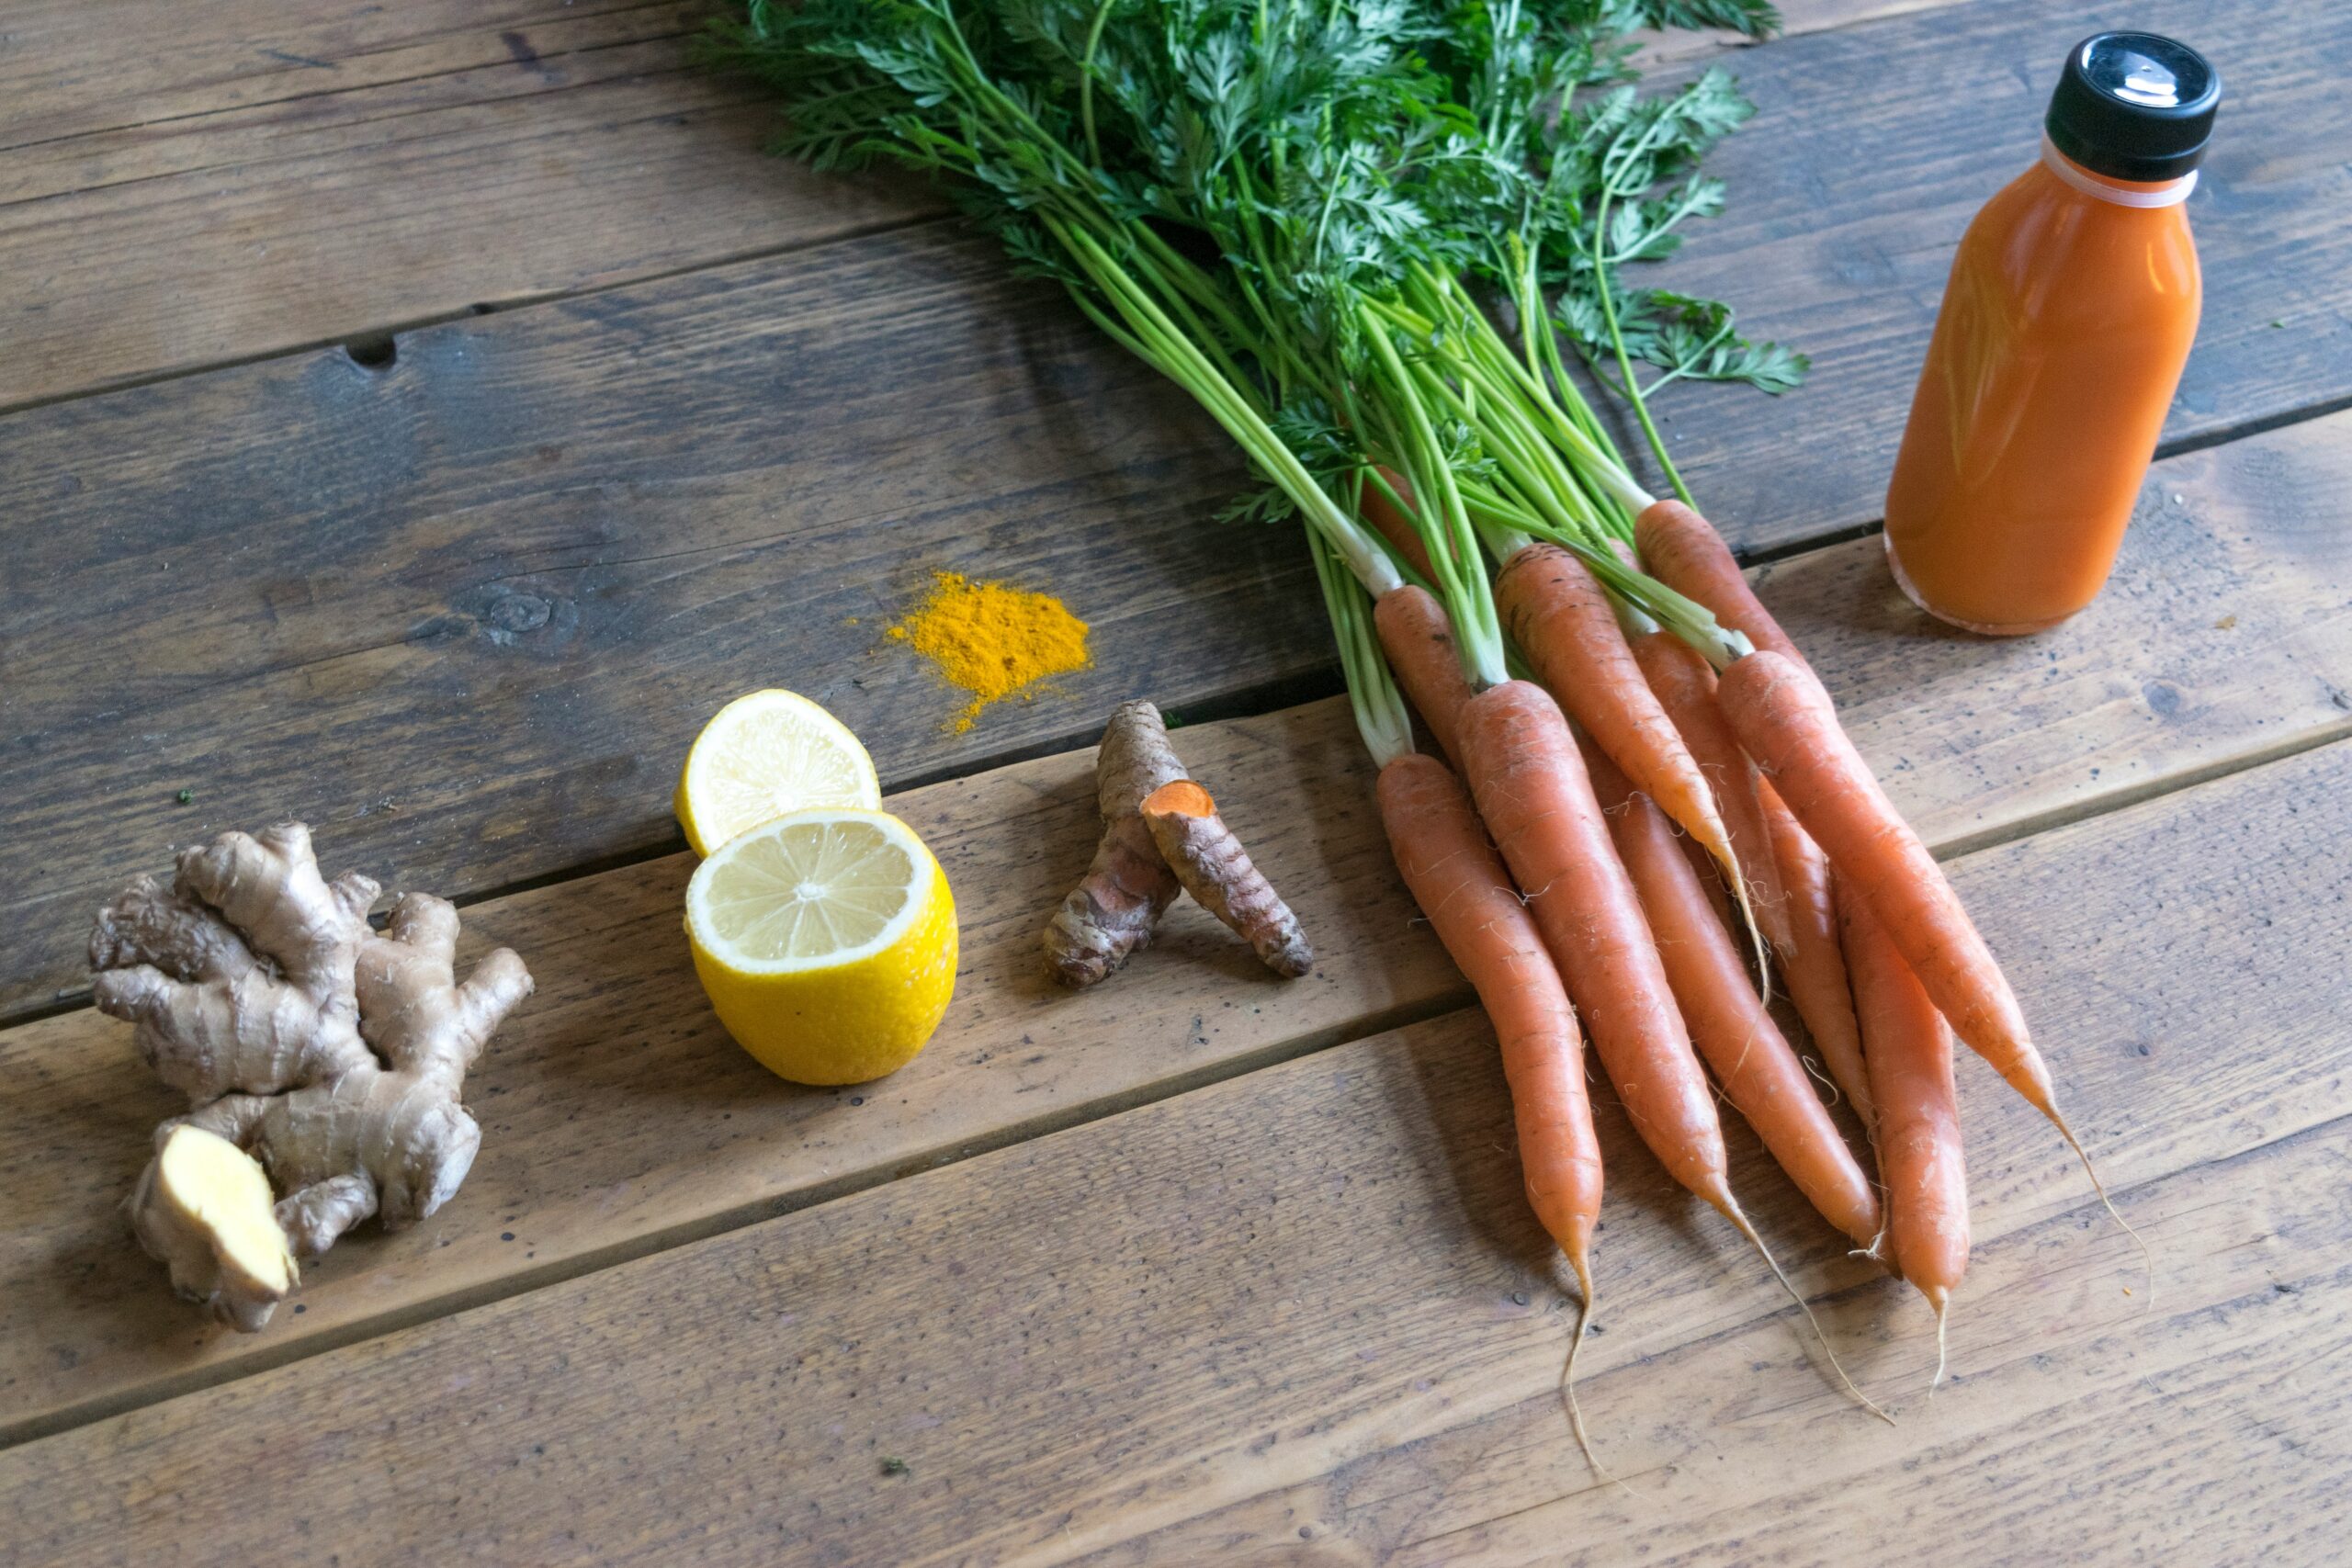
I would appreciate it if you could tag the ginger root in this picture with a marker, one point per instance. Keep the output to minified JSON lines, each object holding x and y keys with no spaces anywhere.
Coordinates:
{"x":1111,"y":911}
{"x":330,"y":1054}
{"x":1216,"y":870}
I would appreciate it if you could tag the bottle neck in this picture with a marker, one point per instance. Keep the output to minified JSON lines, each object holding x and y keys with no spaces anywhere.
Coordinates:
{"x":2120,"y":193}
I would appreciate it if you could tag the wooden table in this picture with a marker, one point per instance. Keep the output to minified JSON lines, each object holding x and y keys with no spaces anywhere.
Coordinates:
{"x":418,"y":418}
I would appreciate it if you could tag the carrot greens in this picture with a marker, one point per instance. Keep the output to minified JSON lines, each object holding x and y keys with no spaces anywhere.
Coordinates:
{"x":1276,"y":203}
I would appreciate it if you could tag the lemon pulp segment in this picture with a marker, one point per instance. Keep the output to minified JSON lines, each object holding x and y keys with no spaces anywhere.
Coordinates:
{"x":831,"y":891}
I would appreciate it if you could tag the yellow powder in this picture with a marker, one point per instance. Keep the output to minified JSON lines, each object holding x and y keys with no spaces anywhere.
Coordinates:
{"x":992,"y":640}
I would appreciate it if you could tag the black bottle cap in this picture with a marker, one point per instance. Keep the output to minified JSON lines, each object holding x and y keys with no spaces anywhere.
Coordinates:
{"x":2135,"y":106}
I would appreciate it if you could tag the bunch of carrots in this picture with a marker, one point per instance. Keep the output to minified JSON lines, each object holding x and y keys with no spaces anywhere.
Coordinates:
{"x":1312,"y":214}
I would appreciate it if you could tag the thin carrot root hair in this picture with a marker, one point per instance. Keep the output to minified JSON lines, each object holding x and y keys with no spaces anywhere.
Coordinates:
{"x":2147,"y":1256}
{"x":1814,"y":1070}
{"x":1730,"y":1208}
{"x":1939,"y":1299}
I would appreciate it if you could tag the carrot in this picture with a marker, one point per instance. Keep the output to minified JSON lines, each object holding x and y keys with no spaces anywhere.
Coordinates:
{"x":1814,"y":971}
{"x":1394,"y":525}
{"x":1682,"y":550}
{"x":1419,"y":641}
{"x":1459,"y":882}
{"x":1533,"y":791}
{"x":1564,"y":624}
{"x":1685,"y":688}
{"x":1784,"y":720}
{"x":1782,"y":717}
{"x":1909,"y":1048}
{"x":1729,"y":1023}
{"x":1530,"y":786}
{"x":1562,"y":621}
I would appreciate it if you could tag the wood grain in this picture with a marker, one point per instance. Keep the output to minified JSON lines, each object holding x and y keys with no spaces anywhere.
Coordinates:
{"x":284,"y":175}
{"x":1324,"y":1274}
{"x":293,"y":172}
{"x":1977,"y":742}
{"x":465,"y":614}
{"x":618,"y":1117}
{"x":2210,"y":1432}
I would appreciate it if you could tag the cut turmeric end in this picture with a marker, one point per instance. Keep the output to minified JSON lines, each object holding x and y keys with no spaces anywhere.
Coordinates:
{"x":1180,"y":797}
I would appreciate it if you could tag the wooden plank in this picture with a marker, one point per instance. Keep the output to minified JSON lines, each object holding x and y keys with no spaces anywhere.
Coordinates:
{"x":469,"y":616}
{"x":298,"y":177}
{"x":1951,"y":722}
{"x":1852,"y":185}
{"x":581,"y":1098}
{"x":472,"y":615}
{"x":2214,"y":1421}
{"x":1325,"y":1271}
{"x":285,"y":174}
{"x":67,"y":75}
{"x":1797,"y":17}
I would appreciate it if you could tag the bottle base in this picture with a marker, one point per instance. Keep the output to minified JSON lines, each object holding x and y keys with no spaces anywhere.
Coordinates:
{"x":1981,"y":629}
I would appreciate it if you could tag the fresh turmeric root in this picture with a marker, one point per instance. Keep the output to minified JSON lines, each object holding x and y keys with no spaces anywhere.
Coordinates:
{"x":1111,"y":911}
{"x":316,"y":1053}
{"x":1214,"y":867}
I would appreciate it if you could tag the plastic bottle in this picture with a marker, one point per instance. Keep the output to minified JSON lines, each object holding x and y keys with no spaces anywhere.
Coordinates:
{"x":2068,"y":317}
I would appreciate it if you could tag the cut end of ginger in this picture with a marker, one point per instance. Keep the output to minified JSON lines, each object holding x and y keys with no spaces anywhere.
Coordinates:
{"x":220,"y":1193}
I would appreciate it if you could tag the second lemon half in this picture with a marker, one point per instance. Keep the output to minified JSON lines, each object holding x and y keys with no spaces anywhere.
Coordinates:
{"x":765,"y":754}
{"x":827,"y":941}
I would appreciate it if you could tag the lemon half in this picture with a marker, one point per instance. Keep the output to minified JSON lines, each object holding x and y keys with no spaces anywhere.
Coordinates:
{"x":826,"y":941}
{"x":763,"y":755}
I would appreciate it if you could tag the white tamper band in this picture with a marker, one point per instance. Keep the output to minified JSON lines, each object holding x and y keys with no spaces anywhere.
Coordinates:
{"x":2074,"y":175}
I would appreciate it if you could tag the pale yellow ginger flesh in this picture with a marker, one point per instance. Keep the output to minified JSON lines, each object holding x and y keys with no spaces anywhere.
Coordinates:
{"x":327,"y":1051}
{"x":221,"y":1234}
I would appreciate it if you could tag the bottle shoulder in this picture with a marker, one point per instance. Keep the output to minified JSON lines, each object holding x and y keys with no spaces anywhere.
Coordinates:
{"x":2041,"y":240}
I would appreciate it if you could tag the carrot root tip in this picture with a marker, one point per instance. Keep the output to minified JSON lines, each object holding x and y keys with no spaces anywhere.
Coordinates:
{"x":1569,"y":1375}
{"x":1731,"y":1211}
{"x":1941,"y":1300}
{"x":2147,"y":1256}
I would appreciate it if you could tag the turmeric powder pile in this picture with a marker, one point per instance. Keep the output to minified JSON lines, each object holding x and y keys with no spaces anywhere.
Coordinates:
{"x":992,"y":640}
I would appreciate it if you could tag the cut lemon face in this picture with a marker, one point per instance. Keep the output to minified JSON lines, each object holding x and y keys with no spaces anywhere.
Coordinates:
{"x":826,"y":941}
{"x":765,"y":754}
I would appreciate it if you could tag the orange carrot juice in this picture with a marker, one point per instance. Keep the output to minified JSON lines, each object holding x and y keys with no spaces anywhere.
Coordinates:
{"x":2068,"y":316}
